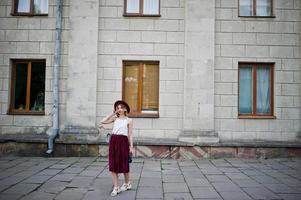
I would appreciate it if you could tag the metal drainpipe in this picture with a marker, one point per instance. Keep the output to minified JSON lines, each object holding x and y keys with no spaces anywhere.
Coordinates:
{"x":57,"y":58}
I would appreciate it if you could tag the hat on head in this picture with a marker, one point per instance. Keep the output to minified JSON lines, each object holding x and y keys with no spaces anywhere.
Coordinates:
{"x":123,"y":103}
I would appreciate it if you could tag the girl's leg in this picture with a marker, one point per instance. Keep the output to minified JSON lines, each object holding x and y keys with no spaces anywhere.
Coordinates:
{"x":126,"y":178}
{"x":115,"y":179}
{"x":116,"y":188}
{"x":127,"y":185}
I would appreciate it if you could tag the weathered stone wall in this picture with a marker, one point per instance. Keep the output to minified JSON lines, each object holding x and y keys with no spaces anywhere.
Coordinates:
{"x":199,"y":66}
{"x":82,"y":65}
{"x":143,"y":38}
{"x":276,"y":40}
{"x":24,"y":37}
{"x":97,"y":38}
{"x":299,"y":135}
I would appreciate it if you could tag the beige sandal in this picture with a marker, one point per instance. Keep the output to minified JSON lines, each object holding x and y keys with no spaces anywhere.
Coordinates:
{"x":115,"y":191}
{"x":126,"y":187}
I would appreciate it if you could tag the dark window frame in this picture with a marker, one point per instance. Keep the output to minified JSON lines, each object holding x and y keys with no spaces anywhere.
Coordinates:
{"x":254,"y":11}
{"x":14,"y":10}
{"x":254,"y":66}
{"x":26,"y":111}
{"x":140,"y":63}
{"x":140,"y":14}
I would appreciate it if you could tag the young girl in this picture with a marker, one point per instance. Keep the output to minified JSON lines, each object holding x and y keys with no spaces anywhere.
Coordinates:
{"x":121,"y":145}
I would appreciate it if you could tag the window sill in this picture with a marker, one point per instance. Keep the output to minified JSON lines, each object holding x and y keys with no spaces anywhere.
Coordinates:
{"x":257,"y":16}
{"x":143,"y":115}
{"x":25,"y":113}
{"x":27,"y":15}
{"x":256,"y":117}
{"x":141,"y":15}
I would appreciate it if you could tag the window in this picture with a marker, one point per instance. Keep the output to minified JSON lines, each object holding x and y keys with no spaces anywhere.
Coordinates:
{"x":142,"y":8}
{"x":141,"y":88}
{"x":256,"y":90}
{"x":256,"y":8}
{"x":30,"y":7}
{"x":27,"y":87}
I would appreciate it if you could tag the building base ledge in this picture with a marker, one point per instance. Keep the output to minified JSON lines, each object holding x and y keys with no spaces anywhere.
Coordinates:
{"x":95,"y":139}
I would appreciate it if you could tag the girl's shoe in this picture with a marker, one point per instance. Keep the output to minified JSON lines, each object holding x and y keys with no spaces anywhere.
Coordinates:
{"x":126,"y":187}
{"x":115,"y":191}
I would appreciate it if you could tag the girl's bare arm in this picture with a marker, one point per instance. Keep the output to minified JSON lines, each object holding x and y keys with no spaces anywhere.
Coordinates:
{"x":131,"y":133}
{"x":109,"y":119}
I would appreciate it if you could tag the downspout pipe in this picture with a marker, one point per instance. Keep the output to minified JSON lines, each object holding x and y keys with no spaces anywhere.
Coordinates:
{"x":54,"y":130}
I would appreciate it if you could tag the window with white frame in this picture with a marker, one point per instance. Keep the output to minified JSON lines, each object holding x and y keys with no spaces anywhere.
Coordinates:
{"x":30,"y":7}
{"x":255,"y":8}
{"x":142,"y":8}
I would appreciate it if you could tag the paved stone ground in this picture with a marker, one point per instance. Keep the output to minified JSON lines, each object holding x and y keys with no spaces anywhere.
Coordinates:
{"x":74,"y":178}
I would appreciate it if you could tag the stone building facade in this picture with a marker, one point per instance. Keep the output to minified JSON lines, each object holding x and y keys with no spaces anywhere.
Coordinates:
{"x":197,"y":45}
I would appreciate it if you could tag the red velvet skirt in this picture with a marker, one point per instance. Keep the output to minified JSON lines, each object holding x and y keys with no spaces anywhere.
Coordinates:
{"x":119,"y":154}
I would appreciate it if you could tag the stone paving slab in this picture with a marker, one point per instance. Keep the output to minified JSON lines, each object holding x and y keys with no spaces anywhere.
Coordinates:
{"x":182,"y":196}
{"x":10,"y":196}
{"x":63,"y":177}
{"x":37,"y":179}
{"x":72,"y":193}
{"x":53,"y":187}
{"x":218,"y":178}
{"x":81,"y":182}
{"x":261,"y":193}
{"x":247,"y":183}
{"x":39,"y":195}
{"x":204,"y":192}
{"x":88,"y":178}
{"x":197,"y":182}
{"x":21,"y":188}
{"x":237,"y":195}
{"x":73,"y":170}
{"x":149,"y":192}
{"x":148,"y":182}
{"x":175,"y":187}
{"x":226,"y":187}
{"x":173,"y":178}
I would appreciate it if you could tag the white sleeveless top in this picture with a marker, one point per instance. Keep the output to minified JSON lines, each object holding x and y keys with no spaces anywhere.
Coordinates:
{"x":121,"y":127}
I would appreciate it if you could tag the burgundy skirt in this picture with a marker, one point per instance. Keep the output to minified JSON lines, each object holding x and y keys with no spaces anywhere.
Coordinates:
{"x":119,"y":154}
